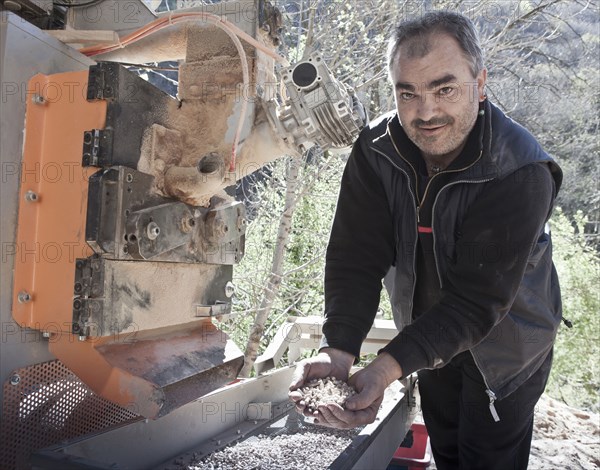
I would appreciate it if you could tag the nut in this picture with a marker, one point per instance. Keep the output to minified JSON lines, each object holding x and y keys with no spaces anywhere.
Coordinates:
{"x":31,"y":196}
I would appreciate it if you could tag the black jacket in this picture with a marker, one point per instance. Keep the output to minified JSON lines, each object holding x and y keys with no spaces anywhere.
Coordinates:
{"x":499,"y":294}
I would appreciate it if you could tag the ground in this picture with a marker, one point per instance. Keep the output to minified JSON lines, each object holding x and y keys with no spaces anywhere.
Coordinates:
{"x":564,"y":438}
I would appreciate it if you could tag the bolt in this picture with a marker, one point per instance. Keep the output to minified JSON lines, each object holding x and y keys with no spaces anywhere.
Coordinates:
{"x":187,"y":223}
{"x":38,"y":99}
{"x":30,"y":196}
{"x":45,"y":334}
{"x":24,"y":297}
{"x":129,"y":178}
{"x":15,"y":379}
{"x":229,"y":289}
{"x":82,"y":337}
{"x":153,"y":230}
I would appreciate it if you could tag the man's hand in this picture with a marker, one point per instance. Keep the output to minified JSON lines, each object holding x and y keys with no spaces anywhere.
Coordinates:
{"x":329,"y":362}
{"x":362,"y":408}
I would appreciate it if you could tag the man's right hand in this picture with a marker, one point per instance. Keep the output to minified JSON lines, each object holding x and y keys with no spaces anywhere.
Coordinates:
{"x":329,"y":362}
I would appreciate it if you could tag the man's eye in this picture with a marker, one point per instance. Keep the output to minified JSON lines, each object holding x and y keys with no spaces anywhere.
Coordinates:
{"x":406,"y":96}
{"x":445,"y":91}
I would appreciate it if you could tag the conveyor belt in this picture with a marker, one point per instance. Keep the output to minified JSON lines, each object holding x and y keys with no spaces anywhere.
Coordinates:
{"x":225,"y":416}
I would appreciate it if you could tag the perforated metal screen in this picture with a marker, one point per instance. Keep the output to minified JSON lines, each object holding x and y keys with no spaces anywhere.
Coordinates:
{"x":45,"y":404}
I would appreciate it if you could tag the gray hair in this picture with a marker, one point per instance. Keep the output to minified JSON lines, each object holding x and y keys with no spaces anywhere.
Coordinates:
{"x":416,"y":33}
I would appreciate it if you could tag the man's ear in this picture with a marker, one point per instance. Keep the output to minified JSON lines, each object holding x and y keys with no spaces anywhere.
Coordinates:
{"x":481,"y":81}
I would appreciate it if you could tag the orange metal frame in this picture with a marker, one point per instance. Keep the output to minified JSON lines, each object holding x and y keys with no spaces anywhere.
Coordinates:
{"x":51,"y":226}
{"x":51,"y":233}
{"x":53,"y":199}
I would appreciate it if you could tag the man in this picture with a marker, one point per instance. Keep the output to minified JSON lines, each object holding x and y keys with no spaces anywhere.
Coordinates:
{"x":447,"y":199}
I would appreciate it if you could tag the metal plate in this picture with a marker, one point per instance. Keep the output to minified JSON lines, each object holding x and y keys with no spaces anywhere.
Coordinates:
{"x":45,"y":404}
{"x":24,"y":51}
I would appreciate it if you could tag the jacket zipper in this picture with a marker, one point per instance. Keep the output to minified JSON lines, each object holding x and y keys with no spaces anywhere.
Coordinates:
{"x":437,"y":267}
{"x":417,"y":216}
{"x":491,"y":395}
{"x":488,"y":391}
{"x":419,"y":200}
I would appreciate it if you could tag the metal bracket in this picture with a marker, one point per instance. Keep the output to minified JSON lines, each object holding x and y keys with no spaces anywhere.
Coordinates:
{"x":225,"y":230}
{"x":88,"y":293}
{"x":156,"y":230}
{"x":219,"y":308}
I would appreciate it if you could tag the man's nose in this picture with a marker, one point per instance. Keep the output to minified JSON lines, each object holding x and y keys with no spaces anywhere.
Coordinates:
{"x":428,"y":106}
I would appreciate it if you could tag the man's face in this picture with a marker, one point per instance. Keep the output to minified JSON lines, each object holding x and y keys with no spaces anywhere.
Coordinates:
{"x":437,"y":96}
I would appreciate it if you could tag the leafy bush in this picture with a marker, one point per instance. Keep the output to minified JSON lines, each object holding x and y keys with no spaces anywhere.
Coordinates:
{"x":575,"y":377}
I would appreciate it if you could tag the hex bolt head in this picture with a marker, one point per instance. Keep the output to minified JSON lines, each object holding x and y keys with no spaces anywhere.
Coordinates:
{"x":38,"y":99}
{"x":153,"y":230}
{"x":229,"y":289}
{"x":15,"y":379}
{"x":45,"y":334}
{"x":82,"y":337}
{"x":31,"y":196}
{"x":24,"y":297}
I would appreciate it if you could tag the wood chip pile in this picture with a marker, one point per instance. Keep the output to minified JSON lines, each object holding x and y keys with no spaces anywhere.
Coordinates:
{"x":309,"y":448}
{"x":323,"y":391}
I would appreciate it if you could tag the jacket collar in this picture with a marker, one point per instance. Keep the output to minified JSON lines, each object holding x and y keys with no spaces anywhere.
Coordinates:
{"x":476,"y":163}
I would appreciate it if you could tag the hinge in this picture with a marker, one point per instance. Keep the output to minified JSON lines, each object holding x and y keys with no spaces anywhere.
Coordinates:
{"x":97,"y":147}
{"x":88,"y":293}
{"x":98,"y":86}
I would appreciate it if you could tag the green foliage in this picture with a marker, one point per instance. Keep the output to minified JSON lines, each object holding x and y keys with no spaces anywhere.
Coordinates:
{"x":575,"y":377}
{"x":301,"y":291}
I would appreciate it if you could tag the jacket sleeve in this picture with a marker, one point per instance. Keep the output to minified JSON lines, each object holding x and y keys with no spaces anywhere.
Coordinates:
{"x":491,"y":254}
{"x":359,"y":254}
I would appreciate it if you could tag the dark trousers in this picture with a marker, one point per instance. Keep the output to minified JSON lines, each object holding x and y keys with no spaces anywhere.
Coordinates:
{"x":461,"y":427}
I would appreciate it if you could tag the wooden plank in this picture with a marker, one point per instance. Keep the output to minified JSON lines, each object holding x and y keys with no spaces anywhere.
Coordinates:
{"x":77,"y":36}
